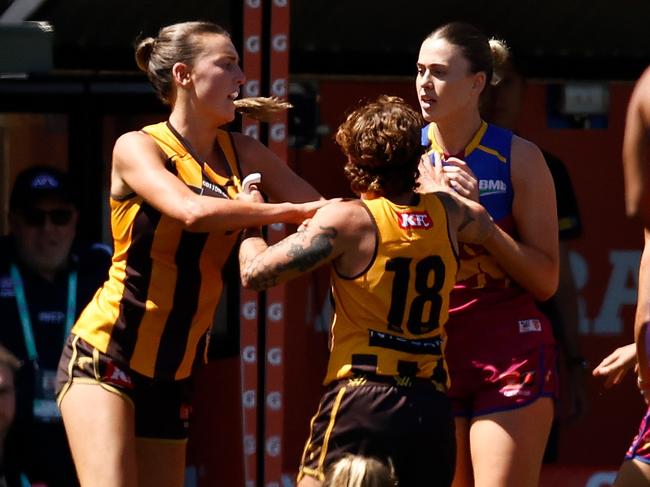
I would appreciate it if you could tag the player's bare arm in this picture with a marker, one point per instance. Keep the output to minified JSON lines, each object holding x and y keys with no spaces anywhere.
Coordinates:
{"x":263,"y":267}
{"x":533,"y":259}
{"x":636,"y":150}
{"x":327,"y":236}
{"x":468,"y":219}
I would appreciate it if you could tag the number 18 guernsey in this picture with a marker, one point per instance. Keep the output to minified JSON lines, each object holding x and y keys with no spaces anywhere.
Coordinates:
{"x":389,"y":320}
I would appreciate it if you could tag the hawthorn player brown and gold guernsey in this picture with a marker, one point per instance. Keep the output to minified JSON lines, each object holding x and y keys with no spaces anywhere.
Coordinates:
{"x":390,"y":319}
{"x":165,"y":282}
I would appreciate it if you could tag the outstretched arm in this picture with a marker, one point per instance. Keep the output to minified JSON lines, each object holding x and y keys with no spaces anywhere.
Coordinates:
{"x":139,"y":166}
{"x":329,"y":234}
{"x":279,"y":182}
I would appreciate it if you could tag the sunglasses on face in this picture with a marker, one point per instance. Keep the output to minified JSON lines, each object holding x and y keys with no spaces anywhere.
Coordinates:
{"x":35,"y":217}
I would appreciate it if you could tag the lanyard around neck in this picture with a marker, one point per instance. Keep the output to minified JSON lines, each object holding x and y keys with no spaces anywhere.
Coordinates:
{"x":23,"y":309}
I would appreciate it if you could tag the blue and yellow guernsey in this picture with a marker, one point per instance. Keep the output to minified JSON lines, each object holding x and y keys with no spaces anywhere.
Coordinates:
{"x":488,"y":156}
{"x":490,"y":315}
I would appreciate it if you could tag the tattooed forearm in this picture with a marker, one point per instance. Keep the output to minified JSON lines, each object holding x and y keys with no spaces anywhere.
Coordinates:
{"x":264,"y":268}
{"x":468,"y":218}
{"x":475,"y":224}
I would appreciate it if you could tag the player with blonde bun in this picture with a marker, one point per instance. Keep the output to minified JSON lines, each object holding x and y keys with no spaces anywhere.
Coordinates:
{"x":500,"y":347}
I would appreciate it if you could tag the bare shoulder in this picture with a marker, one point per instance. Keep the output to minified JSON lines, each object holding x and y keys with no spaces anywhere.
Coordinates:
{"x":644,"y":80}
{"x":524,"y":150}
{"x":136,"y":141}
{"x":136,"y":157}
{"x":247,"y":146}
{"x":134,"y":137}
{"x":527,"y":161}
{"x":640,"y":99}
{"x":348,"y":215}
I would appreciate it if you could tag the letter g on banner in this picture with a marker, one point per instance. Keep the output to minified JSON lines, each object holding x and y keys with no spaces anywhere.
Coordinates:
{"x":249,"y":310}
{"x":274,"y":356}
{"x":275,"y":312}
{"x":274,"y":400}
{"x":279,"y":87}
{"x":253,"y":44}
{"x":252,"y":87}
{"x":279,"y":42}
{"x":252,"y":131}
{"x":249,"y":399}
{"x":249,"y":354}
{"x":278,"y":132}
{"x":273,"y":446}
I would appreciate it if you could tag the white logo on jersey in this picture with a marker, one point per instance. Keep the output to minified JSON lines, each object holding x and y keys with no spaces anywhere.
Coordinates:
{"x":491,"y":186}
{"x":211,"y":187}
{"x":419,"y":219}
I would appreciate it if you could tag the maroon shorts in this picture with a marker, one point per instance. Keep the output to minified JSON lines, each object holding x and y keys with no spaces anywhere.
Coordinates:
{"x":404,"y":421}
{"x":161,"y":407}
{"x":489,"y":387}
{"x":640,"y":447}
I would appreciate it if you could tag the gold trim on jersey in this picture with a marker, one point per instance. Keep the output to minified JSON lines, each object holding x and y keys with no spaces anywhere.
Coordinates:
{"x":475,"y":143}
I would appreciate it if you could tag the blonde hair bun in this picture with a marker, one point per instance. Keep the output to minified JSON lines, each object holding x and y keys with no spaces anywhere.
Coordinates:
{"x":500,"y":59}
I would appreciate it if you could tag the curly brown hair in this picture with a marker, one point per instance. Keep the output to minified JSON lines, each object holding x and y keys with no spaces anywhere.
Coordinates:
{"x":382,"y":143}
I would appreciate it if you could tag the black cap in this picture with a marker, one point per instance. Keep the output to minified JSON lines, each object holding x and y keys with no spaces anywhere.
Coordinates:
{"x":39,"y":182}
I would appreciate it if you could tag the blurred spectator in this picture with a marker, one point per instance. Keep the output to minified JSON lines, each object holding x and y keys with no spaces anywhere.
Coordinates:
{"x":45,"y":281}
{"x":502,"y":106}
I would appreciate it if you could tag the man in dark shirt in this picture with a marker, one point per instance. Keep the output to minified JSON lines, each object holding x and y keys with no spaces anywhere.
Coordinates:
{"x":45,"y":282}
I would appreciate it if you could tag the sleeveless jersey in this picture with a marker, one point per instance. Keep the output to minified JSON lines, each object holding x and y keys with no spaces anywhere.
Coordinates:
{"x":389,"y":320}
{"x":165,"y":282}
{"x":488,"y":156}
{"x":490,"y":314}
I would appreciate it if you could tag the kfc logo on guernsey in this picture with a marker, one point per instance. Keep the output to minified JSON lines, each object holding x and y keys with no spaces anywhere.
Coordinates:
{"x":414,"y":220}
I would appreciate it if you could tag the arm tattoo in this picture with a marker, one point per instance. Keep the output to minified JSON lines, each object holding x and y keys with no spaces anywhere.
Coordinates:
{"x":296,"y":254}
{"x":451,"y":205}
{"x":468,"y":218}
